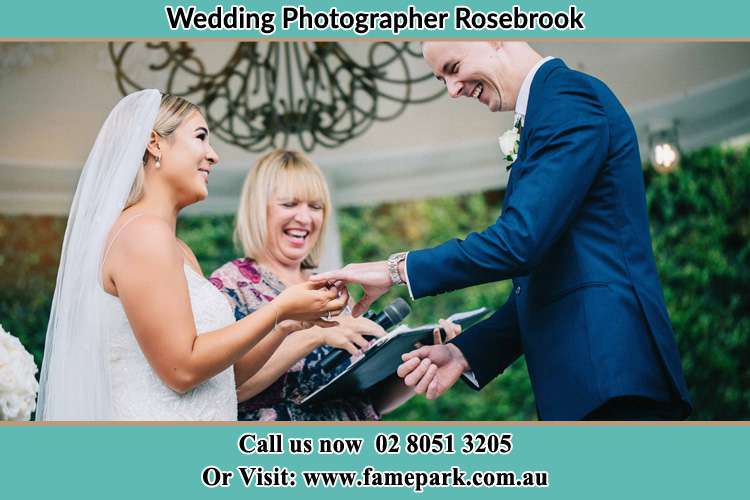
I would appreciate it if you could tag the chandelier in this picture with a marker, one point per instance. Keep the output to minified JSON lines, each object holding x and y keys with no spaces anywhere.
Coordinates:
{"x":321,"y":93}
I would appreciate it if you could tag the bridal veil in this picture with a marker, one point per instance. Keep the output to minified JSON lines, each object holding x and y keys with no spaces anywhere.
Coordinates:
{"x":75,"y":378}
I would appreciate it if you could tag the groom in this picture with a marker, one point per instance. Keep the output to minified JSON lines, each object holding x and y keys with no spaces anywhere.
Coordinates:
{"x":586,"y":308}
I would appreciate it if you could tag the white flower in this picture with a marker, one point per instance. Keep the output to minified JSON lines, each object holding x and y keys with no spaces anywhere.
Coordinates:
{"x":509,"y":141}
{"x":18,"y":386}
{"x":509,"y":144}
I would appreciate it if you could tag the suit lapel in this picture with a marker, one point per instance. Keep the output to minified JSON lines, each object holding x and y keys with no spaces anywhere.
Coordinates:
{"x":535,"y":92}
{"x":522,"y":141}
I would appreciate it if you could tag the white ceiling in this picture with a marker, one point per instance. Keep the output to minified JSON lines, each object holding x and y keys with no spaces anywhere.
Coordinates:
{"x":54,"y":97}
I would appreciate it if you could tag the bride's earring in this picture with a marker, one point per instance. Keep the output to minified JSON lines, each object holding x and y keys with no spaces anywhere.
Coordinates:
{"x":158,"y":162}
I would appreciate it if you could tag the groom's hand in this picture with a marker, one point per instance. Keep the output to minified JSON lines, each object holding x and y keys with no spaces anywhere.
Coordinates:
{"x":373,"y":276}
{"x":432,"y":370}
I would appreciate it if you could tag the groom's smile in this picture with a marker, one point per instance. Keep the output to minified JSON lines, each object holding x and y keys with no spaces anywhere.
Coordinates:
{"x":477,"y":70}
{"x":477,"y":90}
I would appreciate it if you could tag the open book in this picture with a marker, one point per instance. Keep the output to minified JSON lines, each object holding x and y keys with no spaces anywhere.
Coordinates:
{"x":383,"y":357}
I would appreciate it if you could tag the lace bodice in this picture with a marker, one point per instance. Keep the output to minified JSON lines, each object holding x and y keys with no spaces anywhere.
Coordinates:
{"x":139,"y":394}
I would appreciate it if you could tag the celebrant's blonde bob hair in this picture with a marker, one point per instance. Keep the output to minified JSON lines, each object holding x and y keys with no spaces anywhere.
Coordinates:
{"x":286,"y":173}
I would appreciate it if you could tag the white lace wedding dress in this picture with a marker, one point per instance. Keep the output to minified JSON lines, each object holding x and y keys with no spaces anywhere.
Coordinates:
{"x":139,"y":394}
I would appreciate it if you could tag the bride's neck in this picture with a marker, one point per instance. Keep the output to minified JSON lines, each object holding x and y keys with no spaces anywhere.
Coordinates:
{"x":158,"y":207}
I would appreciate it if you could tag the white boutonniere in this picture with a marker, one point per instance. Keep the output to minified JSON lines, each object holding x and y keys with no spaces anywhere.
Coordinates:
{"x":509,"y":141}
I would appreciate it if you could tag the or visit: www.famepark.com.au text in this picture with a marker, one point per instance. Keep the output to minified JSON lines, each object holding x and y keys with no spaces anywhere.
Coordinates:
{"x":417,"y":480}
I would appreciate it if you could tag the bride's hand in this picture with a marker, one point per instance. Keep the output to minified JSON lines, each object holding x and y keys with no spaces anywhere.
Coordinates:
{"x":310,"y":301}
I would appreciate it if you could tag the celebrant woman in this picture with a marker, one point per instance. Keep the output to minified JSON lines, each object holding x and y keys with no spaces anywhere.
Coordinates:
{"x":283,"y":212}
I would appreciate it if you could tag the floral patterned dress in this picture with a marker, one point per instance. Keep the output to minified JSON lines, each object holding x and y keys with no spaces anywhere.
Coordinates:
{"x":249,"y":286}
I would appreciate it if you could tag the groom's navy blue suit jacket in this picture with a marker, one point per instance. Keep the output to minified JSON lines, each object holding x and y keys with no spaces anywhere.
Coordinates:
{"x":586,"y":308}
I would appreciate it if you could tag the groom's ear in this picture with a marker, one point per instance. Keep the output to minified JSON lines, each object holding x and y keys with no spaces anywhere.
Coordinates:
{"x":496,"y":44}
{"x":153,"y":144}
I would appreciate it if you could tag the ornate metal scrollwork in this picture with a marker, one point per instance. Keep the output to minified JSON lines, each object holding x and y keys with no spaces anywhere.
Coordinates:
{"x":267,"y":92}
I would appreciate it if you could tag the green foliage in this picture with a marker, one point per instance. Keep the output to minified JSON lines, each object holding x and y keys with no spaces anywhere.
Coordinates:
{"x":29,"y":256}
{"x":700,"y":220}
{"x":210,"y":238}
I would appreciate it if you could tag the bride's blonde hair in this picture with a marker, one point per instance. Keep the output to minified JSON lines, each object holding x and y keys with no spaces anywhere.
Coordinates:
{"x":172,"y":111}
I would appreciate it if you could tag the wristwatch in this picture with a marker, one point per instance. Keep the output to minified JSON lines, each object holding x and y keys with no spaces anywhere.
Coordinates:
{"x":393,"y":261}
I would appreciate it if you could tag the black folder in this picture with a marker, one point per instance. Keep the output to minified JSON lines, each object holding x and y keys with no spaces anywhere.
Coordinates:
{"x":383,"y":357}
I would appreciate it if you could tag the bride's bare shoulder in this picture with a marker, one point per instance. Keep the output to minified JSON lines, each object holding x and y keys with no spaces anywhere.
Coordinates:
{"x":136,"y":226}
{"x":141,"y":235}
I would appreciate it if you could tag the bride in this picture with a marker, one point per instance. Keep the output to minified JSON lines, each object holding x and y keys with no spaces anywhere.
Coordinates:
{"x":136,"y":332}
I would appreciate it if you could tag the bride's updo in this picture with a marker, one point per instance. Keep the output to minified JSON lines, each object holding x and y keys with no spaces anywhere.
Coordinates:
{"x":172,"y":111}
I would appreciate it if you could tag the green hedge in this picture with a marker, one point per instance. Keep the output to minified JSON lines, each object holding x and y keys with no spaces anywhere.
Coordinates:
{"x":29,"y":256}
{"x":700,"y":220}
